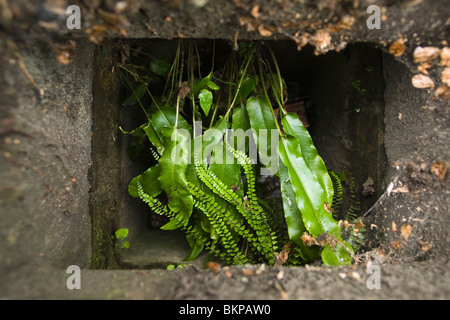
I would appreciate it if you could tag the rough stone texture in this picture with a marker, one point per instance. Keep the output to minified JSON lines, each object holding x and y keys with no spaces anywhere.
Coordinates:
{"x":45,"y":155}
{"x":46,"y":119}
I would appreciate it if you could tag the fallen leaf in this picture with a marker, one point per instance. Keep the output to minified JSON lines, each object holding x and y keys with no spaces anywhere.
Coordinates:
{"x":213,"y":266}
{"x":248,"y":272}
{"x":424,"y":66}
{"x":280,"y":275}
{"x":442,"y":92}
{"x":227,"y":272}
{"x":248,"y":22}
{"x":445,"y":77}
{"x":265,"y":31}
{"x":396,"y":245}
{"x":397,"y":48}
{"x":184,"y":90}
{"x":345,"y":23}
{"x":282,"y":257}
{"x":326,"y":206}
{"x":402,"y":189}
{"x":255,"y":11}
{"x":64,"y":53}
{"x":308,"y":239}
{"x":359,"y":224}
{"x":421,"y":81}
{"x":322,"y":41}
{"x":394,"y":226}
{"x":445,"y":57}
{"x":425,"y":247}
{"x":406,"y":231}
{"x":424,"y":54}
{"x":439,"y":169}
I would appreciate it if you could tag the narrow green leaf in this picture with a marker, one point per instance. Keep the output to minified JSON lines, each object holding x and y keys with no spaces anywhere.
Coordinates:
{"x":213,"y":86}
{"x":248,"y":85}
{"x":166,"y":118}
{"x":206,"y":98}
{"x":173,"y":224}
{"x":154,"y":138}
{"x":310,"y":198}
{"x":159,"y":67}
{"x":201,"y":84}
{"x":196,"y":249}
{"x":173,"y":168}
{"x":293,"y":215}
{"x":203,"y":145}
{"x":293,"y":126}
{"x":309,"y":194}
{"x":137,"y":94}
{"x":264,"y":130}
{"x":149,"y":182}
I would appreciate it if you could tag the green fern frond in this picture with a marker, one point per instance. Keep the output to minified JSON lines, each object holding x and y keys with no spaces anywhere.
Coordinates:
{"x":155,"y":154}
{"x":337,"y":195}
{"x":220,"y":219}
{"x":164,"y":210}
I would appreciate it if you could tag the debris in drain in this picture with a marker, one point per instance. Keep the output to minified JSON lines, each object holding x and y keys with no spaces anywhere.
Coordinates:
{"x":406,"y":231}
{"x":368,"y":189}
{"x":439,"y":169}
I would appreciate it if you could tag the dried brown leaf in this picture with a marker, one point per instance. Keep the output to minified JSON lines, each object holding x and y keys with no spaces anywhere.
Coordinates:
{"x":326,"y":206}
{"x":248,"y":22}
{"x":397,"y":48}
{"x":445,"y":77}
{"x":445,"y":57}
{"x":442,"y":92}
{"x":425,"y":247}
{"x":424,"y":54}
{"x":255,"y":11}
{"x":406,"y":231}
{"x":422,"y":82}
{"x":265,"y":31}
{"x":322,"y":41}
{"x":394,"y":226}
{"x":65,"y":53}
{"x":247,"y":272}
{"x":213,"y":266}
{"x":396,"y":245}
{"x":439,"y":169}
{"x":424,"y":66}
{"x":308,"y":239}
{"x":345,"y":23}
{"x":402,"y":189}
{"x":184,"y":90}
{"x":282,"y":257}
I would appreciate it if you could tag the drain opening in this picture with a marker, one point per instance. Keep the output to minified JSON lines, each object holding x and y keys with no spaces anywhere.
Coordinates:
{"x":340,"y":95}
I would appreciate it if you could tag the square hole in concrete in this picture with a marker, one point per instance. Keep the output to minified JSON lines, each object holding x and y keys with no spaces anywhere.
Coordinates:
{"x":342,"y":94}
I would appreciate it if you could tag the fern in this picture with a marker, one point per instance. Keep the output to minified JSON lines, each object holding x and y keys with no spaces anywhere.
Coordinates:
{"x":233,"y":224}
{"x":259,"y":229}
{"x":337,"y":196}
